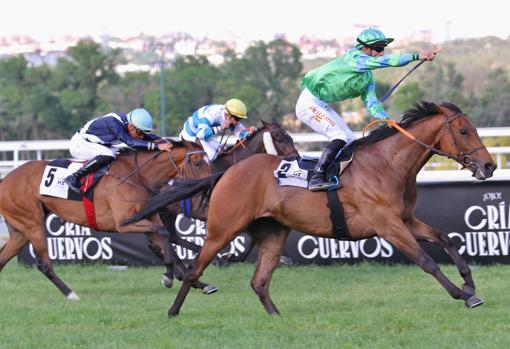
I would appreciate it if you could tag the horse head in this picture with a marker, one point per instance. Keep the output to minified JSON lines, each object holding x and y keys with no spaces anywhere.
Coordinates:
{"x":276,"y":139}
{"x":436,"y":129}
{"x":190,"y":159}
{"x":460,"y":141}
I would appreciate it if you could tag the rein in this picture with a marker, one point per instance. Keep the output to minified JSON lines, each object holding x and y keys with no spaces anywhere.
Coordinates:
{"x":462,"y":157}
{"x":237,"y":145}
{"x":179,"y":173}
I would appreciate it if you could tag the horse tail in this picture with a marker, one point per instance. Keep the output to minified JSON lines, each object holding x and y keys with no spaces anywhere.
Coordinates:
{"x":179,"y":190}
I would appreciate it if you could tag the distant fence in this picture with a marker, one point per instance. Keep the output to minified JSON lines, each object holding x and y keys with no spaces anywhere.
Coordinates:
{"x":16,"y":153}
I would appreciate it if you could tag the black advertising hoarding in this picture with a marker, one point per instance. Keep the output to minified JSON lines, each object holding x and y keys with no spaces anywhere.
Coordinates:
{"x":475,"y":215}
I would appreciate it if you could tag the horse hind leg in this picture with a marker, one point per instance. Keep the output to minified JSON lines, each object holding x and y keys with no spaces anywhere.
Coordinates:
{"x":13,"y":245}
{"x":44,"y":265}
{"x":270,"y":237}
{"x":425,"y":232}
{"x":213,"y":244}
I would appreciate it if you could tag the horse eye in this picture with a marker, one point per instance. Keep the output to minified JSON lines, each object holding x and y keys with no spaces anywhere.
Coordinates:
{"x":463,"y":131}
{"x":196,"y":163}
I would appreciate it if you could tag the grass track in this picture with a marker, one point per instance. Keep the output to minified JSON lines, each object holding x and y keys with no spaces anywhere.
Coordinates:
{"x":363,"y":306}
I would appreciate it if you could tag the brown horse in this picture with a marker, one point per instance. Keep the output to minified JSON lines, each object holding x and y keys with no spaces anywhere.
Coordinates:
{"x":271,"y":138}
{"x":117,"y":196}
{"x":378,"y":195}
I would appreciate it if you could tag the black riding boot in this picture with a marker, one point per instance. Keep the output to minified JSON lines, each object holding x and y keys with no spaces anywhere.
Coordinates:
{"x":95,"y":164}
{"x":318,"y":181}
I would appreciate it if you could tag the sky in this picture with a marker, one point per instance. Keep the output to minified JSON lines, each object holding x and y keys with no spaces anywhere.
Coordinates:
{"x":255,"y":19}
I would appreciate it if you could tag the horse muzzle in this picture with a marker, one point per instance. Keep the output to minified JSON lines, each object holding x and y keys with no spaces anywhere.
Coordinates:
{"x":482,"y":172}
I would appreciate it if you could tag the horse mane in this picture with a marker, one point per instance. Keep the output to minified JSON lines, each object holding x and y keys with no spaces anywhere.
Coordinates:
{"x":419,"y":111}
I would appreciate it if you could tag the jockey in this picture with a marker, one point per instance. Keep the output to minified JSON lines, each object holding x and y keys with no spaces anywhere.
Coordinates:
{"x":212,"y":119}
{"x":345,"y":77}
{"x":94,"y":141}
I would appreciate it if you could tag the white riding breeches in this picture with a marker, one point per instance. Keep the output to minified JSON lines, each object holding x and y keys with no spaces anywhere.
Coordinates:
{"x":210,"y":146}
{"x":81,"y":148}
{"x":322,"y":118}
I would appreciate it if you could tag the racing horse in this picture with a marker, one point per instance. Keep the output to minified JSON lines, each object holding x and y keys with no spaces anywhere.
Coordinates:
{"x":378,"y":196}
{"x":119,"y":194}
{"x":271,"y":138}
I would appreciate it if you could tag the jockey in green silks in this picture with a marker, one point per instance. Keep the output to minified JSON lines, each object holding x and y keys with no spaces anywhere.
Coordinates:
{"x":345,"y":77}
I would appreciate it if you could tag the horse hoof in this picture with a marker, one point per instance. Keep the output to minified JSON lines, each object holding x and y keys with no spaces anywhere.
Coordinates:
{"x":172,"y":313}
{"x":209,"y":289}
{"x":166,"y":281}
{"x":285,"y":260}
{"x":473,"y":302}
{"x":73,"y":296}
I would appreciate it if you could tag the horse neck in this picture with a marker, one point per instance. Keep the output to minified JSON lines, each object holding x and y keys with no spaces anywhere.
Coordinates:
{"x":406,"y":156}
{"x":253,"y":145}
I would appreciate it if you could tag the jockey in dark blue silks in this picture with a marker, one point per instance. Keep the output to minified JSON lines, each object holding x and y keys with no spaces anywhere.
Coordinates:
{"x":95,"y":141}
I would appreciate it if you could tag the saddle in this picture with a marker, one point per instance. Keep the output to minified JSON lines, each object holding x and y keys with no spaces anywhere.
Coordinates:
{"x":296,"y":171}
{"x":52,"y":183}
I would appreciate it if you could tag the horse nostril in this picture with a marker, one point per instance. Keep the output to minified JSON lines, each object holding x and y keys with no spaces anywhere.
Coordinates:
{"x":489,"y":167}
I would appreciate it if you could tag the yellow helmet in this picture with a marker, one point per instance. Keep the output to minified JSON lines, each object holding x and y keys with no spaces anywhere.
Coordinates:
{"x":236,"y":107}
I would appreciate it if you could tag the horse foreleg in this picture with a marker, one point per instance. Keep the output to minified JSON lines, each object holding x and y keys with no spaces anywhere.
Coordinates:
{"x":424,"y":232}
{"x":270,"y":245}
{"x":398,"y":234}
{"x":180,"y":273}
{"x":157,"y":245}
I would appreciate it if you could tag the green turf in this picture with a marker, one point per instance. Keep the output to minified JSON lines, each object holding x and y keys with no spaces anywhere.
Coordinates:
{"x":364,"y":306}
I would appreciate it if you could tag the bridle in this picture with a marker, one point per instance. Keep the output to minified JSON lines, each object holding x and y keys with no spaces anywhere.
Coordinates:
{"x":464,"y":158}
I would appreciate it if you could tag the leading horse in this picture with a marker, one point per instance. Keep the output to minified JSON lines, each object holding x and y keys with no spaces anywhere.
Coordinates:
{"x":117,"y":196}
{"x":378,"y":195}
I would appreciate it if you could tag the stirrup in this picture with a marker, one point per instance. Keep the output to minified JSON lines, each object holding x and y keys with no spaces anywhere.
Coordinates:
{"x":319,"y":186}
{"x":334,"y":183}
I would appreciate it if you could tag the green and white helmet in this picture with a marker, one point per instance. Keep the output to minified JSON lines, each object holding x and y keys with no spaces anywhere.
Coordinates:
{"x":371,"y":36}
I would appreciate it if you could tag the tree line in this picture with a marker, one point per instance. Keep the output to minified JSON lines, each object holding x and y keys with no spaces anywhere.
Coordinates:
{"x":52,"y":102}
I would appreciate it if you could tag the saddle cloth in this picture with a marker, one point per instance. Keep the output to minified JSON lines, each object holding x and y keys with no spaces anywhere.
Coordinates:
{"x":296,"y":171}
{"x":52,"y":182}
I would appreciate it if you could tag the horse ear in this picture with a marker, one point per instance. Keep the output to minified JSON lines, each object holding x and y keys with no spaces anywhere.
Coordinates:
{"x":264,"y":123}
{"x":275,"y":121}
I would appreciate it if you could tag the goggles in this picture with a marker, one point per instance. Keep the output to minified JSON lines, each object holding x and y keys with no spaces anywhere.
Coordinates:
{"x":377,"y":46}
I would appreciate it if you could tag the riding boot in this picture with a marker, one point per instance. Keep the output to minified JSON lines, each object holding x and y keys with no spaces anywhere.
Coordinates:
{"x":73,"y":180}
{"x":318,"y":179}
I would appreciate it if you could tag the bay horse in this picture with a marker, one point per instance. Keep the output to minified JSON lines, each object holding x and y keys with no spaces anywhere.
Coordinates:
{"x":378,"y":195}
{"x":271,"y":138}
{"x":119,"y":194}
